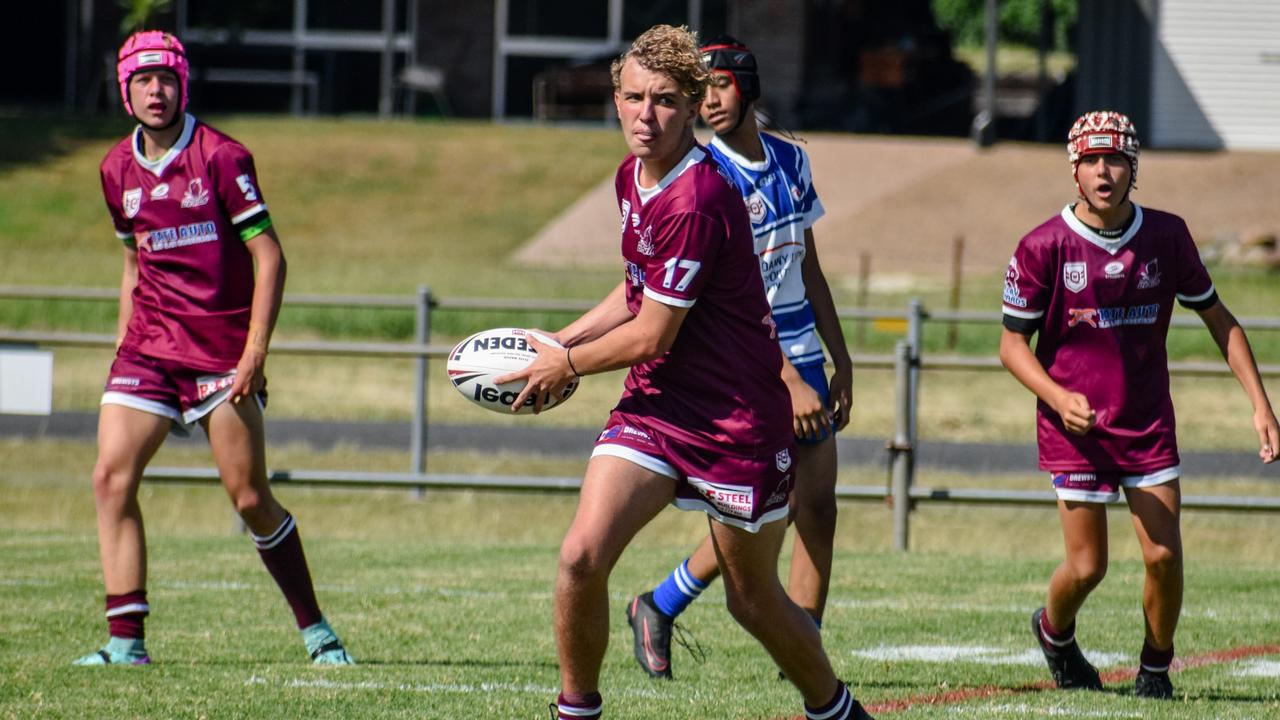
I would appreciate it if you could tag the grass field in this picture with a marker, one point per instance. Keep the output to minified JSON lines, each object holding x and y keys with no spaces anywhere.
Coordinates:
{"x":446,"y":602}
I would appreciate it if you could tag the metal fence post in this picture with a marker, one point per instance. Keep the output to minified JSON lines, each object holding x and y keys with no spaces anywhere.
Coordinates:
{"x":421,"y":334}
{"x":916,"y":316}
{"x":901,"y":450}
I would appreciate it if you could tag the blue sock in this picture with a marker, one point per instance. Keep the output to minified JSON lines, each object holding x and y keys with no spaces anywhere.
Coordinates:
{"x":678,"y":590}
{"x":817,"y":621}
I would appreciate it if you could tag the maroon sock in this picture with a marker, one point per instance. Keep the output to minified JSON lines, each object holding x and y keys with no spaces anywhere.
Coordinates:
{"x":1053,"y":635}
{"x":126,"y":614}
{"x":1154,"y":660}
{"x":281,"y":552}
{"x":575,"y":706}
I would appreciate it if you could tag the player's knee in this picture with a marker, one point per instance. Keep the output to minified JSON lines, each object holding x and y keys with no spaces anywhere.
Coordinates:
{"x":816,"y":512}
{"x":112,"y":487}
{"x":1162,"y":559}
{"x":749,"y":608}
{"x":250,"y":505}
{"x":1088,"y":572}
{"x":581,"y":561}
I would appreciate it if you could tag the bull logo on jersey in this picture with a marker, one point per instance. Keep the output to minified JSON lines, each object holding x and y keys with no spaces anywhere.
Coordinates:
{"x":196,"y":195}
{"x":132,"y":201}
{"x":1149,"y":274}
{"x":756,"y":208}
{"x":645,"y":245}
{"x":1083,"y":315}
{"x":1075,"y":275}
{"x":1013,"y":295}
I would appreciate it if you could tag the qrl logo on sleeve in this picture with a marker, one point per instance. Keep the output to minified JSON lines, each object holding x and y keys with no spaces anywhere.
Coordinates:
{"x":1075,"y":275}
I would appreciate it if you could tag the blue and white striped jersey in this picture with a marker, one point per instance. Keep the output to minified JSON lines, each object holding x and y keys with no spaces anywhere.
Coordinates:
{"x":782,"y":204}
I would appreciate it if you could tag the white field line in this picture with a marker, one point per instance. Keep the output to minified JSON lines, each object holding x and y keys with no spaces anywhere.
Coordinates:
{"x":429,"y":688}
{"x":1023,"y":709}
{"x":1259,"y":668}
{"x":975,"y":654}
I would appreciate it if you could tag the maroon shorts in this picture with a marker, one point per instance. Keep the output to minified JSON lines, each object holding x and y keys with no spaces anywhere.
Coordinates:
{"x":167,"y":388}
{"x":744,"y":492}
{"x":1104,"y":487}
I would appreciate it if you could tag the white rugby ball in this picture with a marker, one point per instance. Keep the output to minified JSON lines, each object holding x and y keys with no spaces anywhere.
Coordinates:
{"x":475,"y":362}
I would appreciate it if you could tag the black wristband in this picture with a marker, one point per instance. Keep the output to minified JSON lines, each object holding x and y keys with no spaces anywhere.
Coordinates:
{"x":568,"y":356}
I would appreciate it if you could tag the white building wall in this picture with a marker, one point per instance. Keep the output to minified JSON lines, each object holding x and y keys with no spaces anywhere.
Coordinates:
{"x":1216,"y":74}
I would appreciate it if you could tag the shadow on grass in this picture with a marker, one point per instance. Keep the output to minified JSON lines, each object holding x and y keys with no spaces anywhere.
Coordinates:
{"x":27,"y":139}
{"x":458,"y":663}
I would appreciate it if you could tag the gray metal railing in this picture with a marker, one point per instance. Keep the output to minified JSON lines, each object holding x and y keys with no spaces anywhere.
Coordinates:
{"x":907,"y":360}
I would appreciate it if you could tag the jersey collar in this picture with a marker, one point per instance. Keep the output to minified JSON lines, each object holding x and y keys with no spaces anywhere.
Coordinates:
{"x":157,"y":167}
{"x":741,"y":161}
{"x":1111,"y":245}
{"x":691,"y":158}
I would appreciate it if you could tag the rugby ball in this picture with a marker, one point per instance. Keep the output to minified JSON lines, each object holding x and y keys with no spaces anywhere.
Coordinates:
{"x":475,"y":362}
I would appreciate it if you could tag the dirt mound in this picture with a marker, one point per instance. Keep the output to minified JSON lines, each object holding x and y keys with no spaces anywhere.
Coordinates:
{"x":903,"y":201}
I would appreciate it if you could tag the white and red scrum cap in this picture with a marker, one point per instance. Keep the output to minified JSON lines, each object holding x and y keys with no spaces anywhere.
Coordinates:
{"x":152,"y":50}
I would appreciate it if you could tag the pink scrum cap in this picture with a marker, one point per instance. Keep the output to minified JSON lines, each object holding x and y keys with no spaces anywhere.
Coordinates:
{"x":152,"y":50}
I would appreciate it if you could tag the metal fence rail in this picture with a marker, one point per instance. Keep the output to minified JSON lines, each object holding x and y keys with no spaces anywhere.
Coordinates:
{"x":907,"y":361}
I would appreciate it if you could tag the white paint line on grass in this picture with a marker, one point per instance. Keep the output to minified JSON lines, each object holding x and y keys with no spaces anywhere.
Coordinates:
{"x":975,"y":654}
{"x":429,"y":688}
{"x":1258,"y":668}
{"x":1007,"y":709}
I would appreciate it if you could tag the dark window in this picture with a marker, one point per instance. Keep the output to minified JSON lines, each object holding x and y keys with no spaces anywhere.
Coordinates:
{"x":559,"y":18}
{"x":364,"y":15}
{"x":256,"y":14}
{"x":638,"y":16}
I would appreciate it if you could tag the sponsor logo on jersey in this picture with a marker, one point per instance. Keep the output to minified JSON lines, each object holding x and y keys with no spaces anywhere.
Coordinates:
{"x":160,"y":191}
{"x":132,"y":201}
{"x":1149,"y":274}
{"x":1013,"y":295}
{"x":175,"y":237}
{"x":724,"y":175}
{"x":729,"y":499}
{"x":626,"y":210}
{"x":645,"y":245}
{"x":756,"y":208}
{"x":635,"y":274}
{"x":782,"y":460}
{"x":1109,"y":317}
{"x":1075,"y":275}
{"x":207,"y":385}
{"x":196,"y":195}
{"x":126,"y":381}
{"x":773,"y":269}
{"x":1114,"y":270}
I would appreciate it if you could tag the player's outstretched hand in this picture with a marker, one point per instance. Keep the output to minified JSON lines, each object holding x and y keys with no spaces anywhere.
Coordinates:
{"x":548,"y":373}
{"x":1264,"y":421}
{"x":841,"y":397}
{"x":1077,"y":416}
{"x":250,"y":375}
{"x":810,"y":418}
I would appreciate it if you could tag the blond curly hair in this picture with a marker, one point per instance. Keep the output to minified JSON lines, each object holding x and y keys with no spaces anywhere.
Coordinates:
{"x":671,"y":51}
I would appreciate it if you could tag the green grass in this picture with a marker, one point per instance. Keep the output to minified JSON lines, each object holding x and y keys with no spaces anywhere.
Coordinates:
{"x":447,"y":603}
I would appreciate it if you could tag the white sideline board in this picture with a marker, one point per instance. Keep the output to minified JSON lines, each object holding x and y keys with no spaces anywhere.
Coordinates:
{"x":26,"y":381}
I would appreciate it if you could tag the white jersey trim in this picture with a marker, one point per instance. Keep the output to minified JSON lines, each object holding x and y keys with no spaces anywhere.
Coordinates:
{"x":157,"y":167}
{"x":667,"y":299}
{"x":700,"y":505}
{"x":648,"y":462}
{"x":154,"y":407}
{"x":1111,"y":245}
{"x":1024,"y":314}
{"x":691,"y":158}
{"x":753,"y":165}
{"x":1197,"y":298}
{"x":256,"y":208}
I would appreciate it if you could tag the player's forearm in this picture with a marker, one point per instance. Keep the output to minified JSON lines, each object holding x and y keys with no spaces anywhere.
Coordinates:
{"x":608,"y":314}
{"x":1245,"y":367}
{"x":826,"y":319}
{"x":268,"y":296}
{"x":1016,"y":356}
{"x":647,"y":337}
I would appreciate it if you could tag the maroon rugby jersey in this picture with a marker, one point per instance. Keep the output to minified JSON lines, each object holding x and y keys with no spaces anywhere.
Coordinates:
{"x":1102,"y":308}
{"x":687,"y":242}
{"x":188,"y":215}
